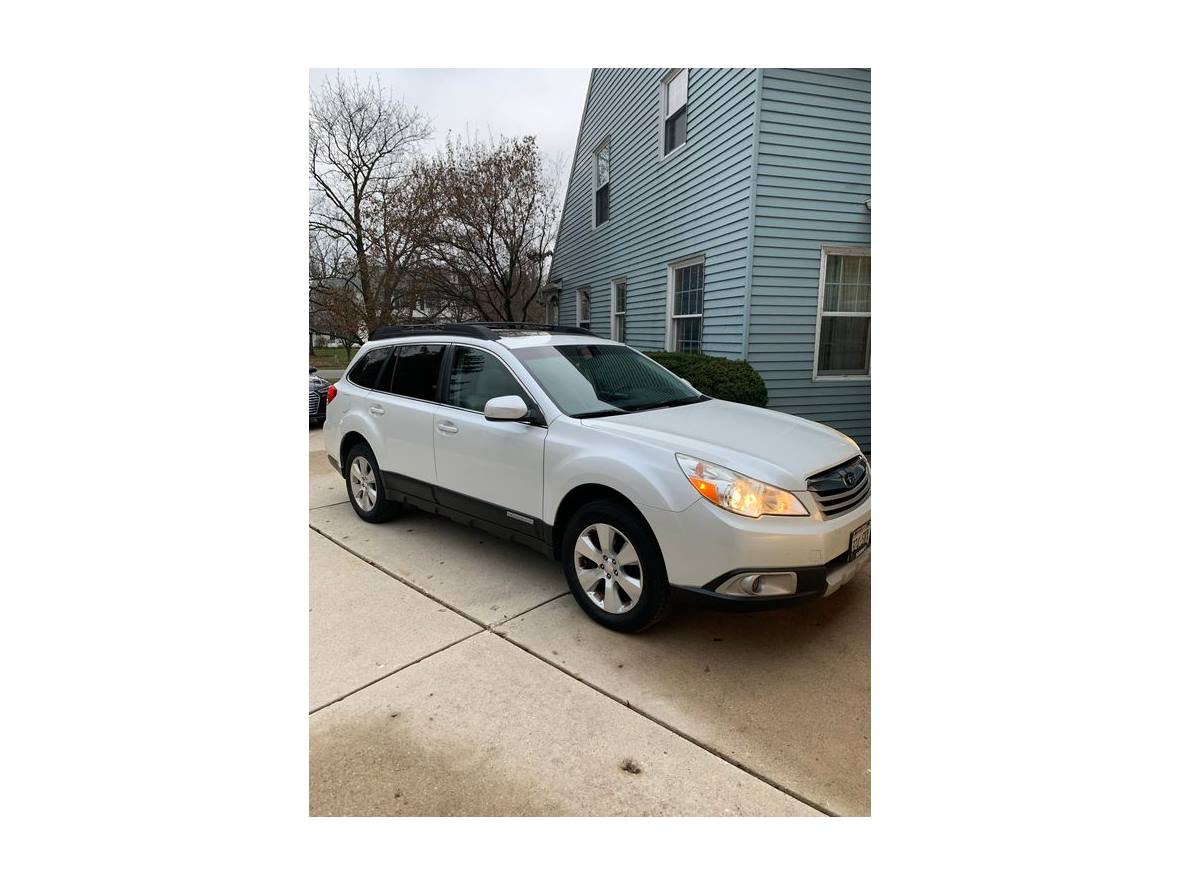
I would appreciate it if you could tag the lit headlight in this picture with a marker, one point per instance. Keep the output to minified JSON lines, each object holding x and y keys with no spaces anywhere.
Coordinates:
{"x":737,"y":493}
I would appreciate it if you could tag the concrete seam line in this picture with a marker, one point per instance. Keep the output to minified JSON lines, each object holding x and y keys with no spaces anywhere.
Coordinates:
{"x":322,"y":506}
{"x":349,"y":694}
{"x":770,"y":782}
{"x":509,"y":620}
{"x":399,"y":578}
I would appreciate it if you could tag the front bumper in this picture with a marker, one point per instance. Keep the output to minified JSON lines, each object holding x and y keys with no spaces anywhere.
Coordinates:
{"x":814,"y":582}
{"x":704,"y":546}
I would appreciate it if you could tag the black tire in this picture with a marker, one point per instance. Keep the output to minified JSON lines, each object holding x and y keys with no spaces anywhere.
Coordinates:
{"x":382,"y":510}
{"x":653,"y":598}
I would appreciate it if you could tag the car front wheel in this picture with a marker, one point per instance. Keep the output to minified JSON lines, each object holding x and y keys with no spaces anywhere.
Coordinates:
{"x":614,"y":567}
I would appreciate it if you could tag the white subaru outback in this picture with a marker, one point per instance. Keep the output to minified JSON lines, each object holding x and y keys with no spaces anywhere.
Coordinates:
{"x":593,"y":453}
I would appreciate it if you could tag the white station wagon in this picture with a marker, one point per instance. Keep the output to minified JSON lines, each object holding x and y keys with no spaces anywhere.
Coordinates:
{"x":590,"y":451}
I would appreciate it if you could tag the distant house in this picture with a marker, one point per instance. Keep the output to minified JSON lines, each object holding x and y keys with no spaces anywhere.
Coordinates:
{"x":709,"y":210}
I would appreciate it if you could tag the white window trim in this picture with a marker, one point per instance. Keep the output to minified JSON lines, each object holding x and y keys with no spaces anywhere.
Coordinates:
{"x":615,"y":313}
{"x":664,"y":81}
{"x":670,"y":317}
{"x":578,"y":318}
{"x":594,"y":225}
{"x":820,"y":313}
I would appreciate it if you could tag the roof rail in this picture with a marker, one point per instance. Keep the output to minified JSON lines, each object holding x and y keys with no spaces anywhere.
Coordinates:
{"x":539,"y":327}
{"x":488,"y":331}
{"x":468,"y":330}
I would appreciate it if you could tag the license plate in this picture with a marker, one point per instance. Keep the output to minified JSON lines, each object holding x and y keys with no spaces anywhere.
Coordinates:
{"x":859,"y":542}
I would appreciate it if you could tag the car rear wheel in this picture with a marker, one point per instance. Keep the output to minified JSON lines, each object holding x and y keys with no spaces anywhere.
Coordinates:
{"x":365,"y":488}
{"x":614,"y":567}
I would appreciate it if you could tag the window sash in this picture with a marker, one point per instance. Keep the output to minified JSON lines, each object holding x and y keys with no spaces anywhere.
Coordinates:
{"x":688,"y":333}
{"x":839,"y":347}
{"x":602,"y":205}
{"x":602,"y":165}
{"x":675,"y":92}
{"x":688,"y":290}
{"x":582,"y":311}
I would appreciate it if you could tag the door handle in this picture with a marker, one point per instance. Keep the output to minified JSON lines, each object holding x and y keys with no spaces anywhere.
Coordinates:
{"x":376,"y":410}
{"x":447,"y":427}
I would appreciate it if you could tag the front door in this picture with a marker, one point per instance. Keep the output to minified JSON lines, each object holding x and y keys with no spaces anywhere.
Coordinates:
{"x":490,"y":469}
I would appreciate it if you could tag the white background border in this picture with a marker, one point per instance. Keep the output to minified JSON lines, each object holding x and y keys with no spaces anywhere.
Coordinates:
{"x":155,"y":634}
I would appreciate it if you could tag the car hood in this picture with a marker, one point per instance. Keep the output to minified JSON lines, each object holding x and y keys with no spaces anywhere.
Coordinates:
{"x":766,"y":445}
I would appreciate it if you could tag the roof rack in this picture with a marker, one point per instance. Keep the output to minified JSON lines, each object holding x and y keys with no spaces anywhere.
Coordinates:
{"x":489,"y":331}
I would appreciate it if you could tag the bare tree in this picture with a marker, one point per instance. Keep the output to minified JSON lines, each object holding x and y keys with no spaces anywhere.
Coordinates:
{"x":403,"y":222}
{"x":335,"y":308}
{"x":498,"y":220}
{"x":360,"y":141}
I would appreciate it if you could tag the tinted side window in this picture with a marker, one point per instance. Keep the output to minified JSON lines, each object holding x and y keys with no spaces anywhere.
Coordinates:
{"x":368,"y":368}
{"x":416,"y":371}
{"x":476,"y":377}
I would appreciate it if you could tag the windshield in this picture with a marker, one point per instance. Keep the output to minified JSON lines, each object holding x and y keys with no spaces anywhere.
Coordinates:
{"x":589,"y":380}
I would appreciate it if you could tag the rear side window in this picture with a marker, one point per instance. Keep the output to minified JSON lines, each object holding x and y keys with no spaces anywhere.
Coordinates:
{"x":416,"y":371}
{"x":476,"y":377}
{"x":367,"y":370}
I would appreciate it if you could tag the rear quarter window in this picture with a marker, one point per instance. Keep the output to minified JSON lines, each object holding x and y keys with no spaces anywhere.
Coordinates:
{"x":367,"y":370}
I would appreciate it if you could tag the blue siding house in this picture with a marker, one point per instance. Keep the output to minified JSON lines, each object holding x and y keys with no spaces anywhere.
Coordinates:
{"x":727,"y":212}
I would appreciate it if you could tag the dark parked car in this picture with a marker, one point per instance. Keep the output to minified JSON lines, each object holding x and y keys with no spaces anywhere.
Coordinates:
{"x":317,"y":398}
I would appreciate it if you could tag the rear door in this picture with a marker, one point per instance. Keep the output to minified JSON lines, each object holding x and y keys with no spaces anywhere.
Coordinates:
{"x":491,"y":469}
{"x":405,"y":416}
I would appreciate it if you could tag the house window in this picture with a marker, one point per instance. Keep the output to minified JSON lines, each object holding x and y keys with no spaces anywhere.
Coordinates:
{"x":602,"y":184}
{"x":583,"y":314}
{"x":843,"y":323}
{"x":686,"y":299}
{"x":675,"y":106}
{"x":618,"y":315}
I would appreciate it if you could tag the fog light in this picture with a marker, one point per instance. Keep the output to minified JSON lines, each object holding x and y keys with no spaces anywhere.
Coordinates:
{"x":752,"y":584}
{"x":760,"y":584}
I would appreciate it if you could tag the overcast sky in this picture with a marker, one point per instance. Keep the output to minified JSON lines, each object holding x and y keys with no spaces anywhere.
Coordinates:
{"x":545,"y":102}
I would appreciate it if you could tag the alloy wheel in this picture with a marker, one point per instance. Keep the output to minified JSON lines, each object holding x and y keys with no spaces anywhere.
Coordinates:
{"x":363,"y":483}
{"x":608,"y":569}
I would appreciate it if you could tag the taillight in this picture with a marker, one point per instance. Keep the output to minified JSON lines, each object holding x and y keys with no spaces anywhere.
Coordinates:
{"x":331,"y":392}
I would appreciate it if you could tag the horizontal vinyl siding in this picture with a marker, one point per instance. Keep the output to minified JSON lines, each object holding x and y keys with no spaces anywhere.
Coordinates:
{"x":694,"y":202}
{"x":813,"y":177}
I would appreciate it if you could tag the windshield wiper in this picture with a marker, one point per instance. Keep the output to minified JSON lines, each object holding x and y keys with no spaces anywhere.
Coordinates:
{"x":601,"y":413}
{"x":684,"y":401}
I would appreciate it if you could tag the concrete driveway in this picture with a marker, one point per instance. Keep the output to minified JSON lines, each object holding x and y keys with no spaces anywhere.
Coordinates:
{"x":452,"y":674}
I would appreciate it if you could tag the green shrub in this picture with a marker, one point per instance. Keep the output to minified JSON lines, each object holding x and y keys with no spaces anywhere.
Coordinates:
{"x":716,"y":376}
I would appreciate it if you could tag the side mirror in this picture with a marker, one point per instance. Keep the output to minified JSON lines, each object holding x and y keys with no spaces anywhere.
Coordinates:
{"x":505,"y":408}
{"x":313,"y":370}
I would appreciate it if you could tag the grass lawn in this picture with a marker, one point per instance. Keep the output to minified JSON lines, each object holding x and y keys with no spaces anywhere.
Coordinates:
{"x":331,"y":357}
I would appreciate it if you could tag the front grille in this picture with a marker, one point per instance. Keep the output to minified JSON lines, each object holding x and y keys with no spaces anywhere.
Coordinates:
{"x":313,"y":402}
{"x":841,"y":488}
